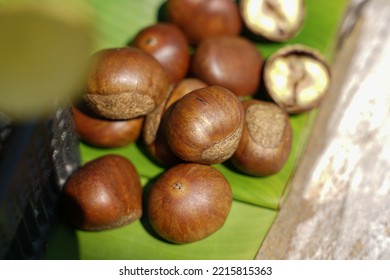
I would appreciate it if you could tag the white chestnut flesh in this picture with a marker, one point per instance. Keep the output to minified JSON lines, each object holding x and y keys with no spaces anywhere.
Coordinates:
{"x":297,"y":78}
{"x":275,"y":20}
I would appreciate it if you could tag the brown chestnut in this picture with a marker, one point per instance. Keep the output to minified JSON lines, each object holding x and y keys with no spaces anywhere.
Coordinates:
{"x":229,"y":61}
{"x":166,"y":43}
{"x":105,"y":193}
{"x":153,"y":119}
{"x":202,"y":19}
{"x":155,"y":124}
{"x":105,"y":133}
{"x":205,"y":125}
{"x":183,"y":87}
{"x":266,"y":139}
{"x":125,"y":83}
{"x":189,"y":202}
{"x":159,"y":149}
{"x":297,"y":78}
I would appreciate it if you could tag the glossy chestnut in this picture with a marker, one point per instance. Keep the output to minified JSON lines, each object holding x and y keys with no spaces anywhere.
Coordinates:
{"x":105,"y":133}
{"x":125,"y":83}
{"x":205,"y":125}
{"x":104,"y":193}
{"x":189,"y":202}
{"x":229,"y":61}
{"x":203,"y":19}
{"x":168,"y":45}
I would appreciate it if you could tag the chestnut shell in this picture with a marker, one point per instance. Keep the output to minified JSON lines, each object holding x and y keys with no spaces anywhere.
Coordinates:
{"x":189,"y":202}
{"x":154,"y":128}
{"x":125,"y":83}
{"x":205,"y":125}
{"x":266,"y":139}
{"x":281,"y":34}
{"x":203,"y":19}
{"x":229,"y":61}
{"x":168,"y":45}
{"x":105,"y":193}
{"x":295,"y":50}
{"x":105,"y":133}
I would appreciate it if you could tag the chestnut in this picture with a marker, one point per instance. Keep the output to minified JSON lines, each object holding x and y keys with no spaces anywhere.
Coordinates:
{"x":266,"y":139}
{"x":205,"y":125}
{"x":104,"y":193}
{"x":297,"y":78}
{"x":229,"y":61}
{"x":153,"y":119}
{"x":183,"y":87}
{"x":202,"y":19}
{"x":125,"y":83}
{"x":273,"y":20}
{"x":155,"y":123}
{"x":105,"y":133}
{"x":189,"y":202}
{"x":159,"y":149}
{"x":168,"y":45}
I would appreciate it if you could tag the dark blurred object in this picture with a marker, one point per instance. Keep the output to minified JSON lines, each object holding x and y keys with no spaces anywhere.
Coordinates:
{"x":36,"y":159}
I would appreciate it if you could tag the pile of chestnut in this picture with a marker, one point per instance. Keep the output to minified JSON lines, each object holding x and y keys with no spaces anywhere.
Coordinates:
{"x":188,"y":90}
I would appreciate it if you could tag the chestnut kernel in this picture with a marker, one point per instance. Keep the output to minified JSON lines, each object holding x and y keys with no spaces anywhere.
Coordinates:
{"x":274,"y":20}
{"x":125,"y":83}
{"x":203,"y":19}
{"x":266,"y":139}
{"x":105,"y":133}
{"x":189,"y":202}
{"x":229,"y":61}
{"x":297,"y":78}
{"x":105,"y":193}
{"x":168,"y":45}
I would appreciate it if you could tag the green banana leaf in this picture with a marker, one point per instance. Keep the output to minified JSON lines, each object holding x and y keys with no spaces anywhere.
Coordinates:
{"x":256,"y":199}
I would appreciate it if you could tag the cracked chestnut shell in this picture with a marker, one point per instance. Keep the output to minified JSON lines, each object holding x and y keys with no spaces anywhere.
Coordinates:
{"x":105,"y":133}
{"x":266,"y":139}
{"x":168,"y":45}
{"x":229,"y":61}
{"x":274,"y":20}
{"x":203,"y":19}
{"x":297,"y":78}
{"x":189,"y":202}
{"x":125,"y":83}
{"x":105,"y":193}
{"x":205,"y":125}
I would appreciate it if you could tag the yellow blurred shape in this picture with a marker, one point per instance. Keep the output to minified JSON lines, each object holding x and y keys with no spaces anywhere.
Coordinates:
{"x":44,"y":49}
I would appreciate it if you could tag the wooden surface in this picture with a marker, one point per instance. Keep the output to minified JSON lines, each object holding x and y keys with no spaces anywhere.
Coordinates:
{"x":338,"y":206}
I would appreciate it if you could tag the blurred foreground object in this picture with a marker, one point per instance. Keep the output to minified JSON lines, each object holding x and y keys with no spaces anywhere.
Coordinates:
{"x":43,"y":55}
{"x":36,"y":159}
{"x":43,"y":59}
